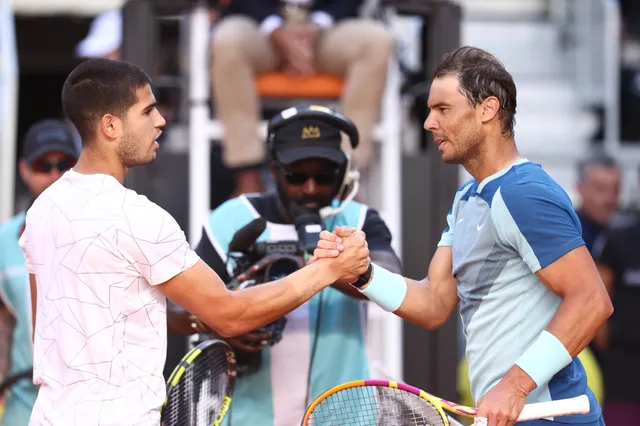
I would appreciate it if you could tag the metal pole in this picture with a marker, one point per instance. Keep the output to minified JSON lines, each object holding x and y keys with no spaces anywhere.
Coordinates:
{"x":8,"y":109}
{"x":612,"y":76}
{"x":429,"y":185}
{"x":392,"y":206}
{"x":199,"y":142}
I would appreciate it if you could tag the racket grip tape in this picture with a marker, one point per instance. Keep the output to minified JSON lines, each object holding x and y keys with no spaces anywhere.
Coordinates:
{"x":541,"y":410}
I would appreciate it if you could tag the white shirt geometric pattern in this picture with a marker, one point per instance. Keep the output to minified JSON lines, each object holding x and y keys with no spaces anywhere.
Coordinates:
{"x":97,"y":250}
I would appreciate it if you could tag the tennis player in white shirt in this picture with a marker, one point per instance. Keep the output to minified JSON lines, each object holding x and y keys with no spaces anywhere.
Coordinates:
{"x":102,"y":259}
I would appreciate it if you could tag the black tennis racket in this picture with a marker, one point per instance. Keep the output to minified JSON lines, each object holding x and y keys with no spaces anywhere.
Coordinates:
{"x":200,"y":388}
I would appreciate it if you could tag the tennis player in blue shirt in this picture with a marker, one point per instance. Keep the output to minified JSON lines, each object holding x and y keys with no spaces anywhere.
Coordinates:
{"x":512,"y":255}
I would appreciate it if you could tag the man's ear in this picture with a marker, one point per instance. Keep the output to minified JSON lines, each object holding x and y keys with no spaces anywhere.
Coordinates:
{"x":489,"y":109}
{"x":110,"y":126}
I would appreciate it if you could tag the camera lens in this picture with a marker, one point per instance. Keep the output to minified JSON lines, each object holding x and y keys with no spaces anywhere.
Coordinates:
{"x":281,"y":268}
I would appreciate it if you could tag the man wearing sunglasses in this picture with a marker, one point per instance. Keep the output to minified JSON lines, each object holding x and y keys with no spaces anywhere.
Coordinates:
{"x":49,"y":150}
{"x":323,"y":341}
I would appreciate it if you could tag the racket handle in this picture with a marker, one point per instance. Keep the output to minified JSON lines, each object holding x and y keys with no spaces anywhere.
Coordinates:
{"x":540,"y":410}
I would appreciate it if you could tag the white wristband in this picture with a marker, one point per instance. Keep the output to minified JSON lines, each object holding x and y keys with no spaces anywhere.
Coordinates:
{"x":544,"y":358}
{"x":386,"y":289}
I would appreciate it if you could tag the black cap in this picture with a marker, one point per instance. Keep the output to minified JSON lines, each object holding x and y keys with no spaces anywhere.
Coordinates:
{"x":49,"y":136}
{"x":308,"y":138}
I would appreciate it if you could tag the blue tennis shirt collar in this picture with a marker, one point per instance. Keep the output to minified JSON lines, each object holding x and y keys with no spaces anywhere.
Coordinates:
{"x":499,"y":173}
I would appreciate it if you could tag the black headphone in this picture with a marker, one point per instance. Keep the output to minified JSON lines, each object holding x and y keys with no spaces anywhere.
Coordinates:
{"x":316,"y":112}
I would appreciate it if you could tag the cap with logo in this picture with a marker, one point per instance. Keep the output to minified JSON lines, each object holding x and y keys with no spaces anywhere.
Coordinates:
{"x":308,"y":138}
{"x":49,"y":136}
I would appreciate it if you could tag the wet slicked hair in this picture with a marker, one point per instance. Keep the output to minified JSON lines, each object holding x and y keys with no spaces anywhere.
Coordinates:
{"x":482,"y":75}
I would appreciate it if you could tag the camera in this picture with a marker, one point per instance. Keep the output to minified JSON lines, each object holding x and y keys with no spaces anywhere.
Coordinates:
{"x":276,"y":259}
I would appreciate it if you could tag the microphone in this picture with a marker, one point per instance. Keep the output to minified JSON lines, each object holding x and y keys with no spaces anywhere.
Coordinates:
{"x":308,"y":224}
{"x":244,"y":237}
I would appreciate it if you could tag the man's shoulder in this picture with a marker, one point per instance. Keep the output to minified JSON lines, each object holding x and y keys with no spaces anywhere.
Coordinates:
{"x":530,"y":182}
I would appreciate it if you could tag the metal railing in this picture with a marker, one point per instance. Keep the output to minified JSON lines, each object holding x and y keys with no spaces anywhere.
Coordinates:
{"x":8,"y":109}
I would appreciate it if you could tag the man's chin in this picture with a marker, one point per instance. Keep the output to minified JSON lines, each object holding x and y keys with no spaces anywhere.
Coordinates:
{"x":450,"y":159}
{"x":142,"y":162}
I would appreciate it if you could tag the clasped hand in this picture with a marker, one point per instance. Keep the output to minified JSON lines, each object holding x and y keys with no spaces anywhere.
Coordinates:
{"x":348,"y":251}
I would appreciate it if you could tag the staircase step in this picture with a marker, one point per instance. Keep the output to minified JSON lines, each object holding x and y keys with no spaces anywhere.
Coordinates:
{"x":525,"y":48}
{"x":545,"y":93}
{"x":503,"y":9}
{"x":560,"y":131}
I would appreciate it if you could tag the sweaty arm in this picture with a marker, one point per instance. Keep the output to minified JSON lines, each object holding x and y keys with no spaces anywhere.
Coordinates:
{"x":538,"y":222}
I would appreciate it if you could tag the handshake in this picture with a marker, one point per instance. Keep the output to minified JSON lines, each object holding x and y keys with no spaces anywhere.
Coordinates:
{"x":345,"y":251}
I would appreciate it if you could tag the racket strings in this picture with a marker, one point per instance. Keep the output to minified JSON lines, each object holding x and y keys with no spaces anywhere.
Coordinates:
{"x":375,"y":406}
{"x":198,"y":396}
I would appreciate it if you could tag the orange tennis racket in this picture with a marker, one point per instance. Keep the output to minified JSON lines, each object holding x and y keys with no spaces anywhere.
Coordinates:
{"x":381,"y":402}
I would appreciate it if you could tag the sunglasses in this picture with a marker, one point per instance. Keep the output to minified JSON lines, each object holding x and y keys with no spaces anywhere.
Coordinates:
{"x":47,"y":166}
{"x":324,"y":178}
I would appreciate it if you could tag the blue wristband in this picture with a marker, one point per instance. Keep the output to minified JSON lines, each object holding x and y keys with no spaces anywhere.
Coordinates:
{"x":544,"y":358}
{"x":386,"y":289}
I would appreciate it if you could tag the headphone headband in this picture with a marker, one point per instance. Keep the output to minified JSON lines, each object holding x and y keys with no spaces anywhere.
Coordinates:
{"x":316,"y":112}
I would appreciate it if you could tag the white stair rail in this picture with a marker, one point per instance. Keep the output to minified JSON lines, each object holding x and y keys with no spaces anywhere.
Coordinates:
{"x":199,"y":142}
{"x":612,"y":30}
{"x":8,"y":109}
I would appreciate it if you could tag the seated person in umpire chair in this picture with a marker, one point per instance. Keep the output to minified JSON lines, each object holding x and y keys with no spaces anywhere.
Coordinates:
{"x":252,"y":239}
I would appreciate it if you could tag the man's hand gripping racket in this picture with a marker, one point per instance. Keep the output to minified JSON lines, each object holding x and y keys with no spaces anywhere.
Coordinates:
{"x":381,"y":402}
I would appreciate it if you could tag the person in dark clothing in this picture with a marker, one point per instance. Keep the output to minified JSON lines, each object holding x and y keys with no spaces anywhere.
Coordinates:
{"x":618,"y":341}
{"x":599,"y":188}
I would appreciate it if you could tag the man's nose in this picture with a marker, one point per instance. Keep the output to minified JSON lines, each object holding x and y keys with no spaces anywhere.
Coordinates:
{"x":310,"y":186}
{"x":430,"y":123}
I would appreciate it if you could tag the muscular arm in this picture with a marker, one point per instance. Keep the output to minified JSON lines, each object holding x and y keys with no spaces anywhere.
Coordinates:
{"x":585,"y":302}
{"x":537,"y":221}
{"x":230,"y":313}
{"x":178,"y":320}
{"x":430,"y":302}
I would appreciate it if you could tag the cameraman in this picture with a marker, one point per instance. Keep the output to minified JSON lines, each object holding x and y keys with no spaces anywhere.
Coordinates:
{"x":323,"y":341}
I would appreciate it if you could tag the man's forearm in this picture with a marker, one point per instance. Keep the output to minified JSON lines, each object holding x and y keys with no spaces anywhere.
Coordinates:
{"x":249,"y":309}
{"x":578,"y":319}
{"x":574,"y":325}
{"x":7,"y":323}
{"x":425,"y":306}
{"x":387,"y":259}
